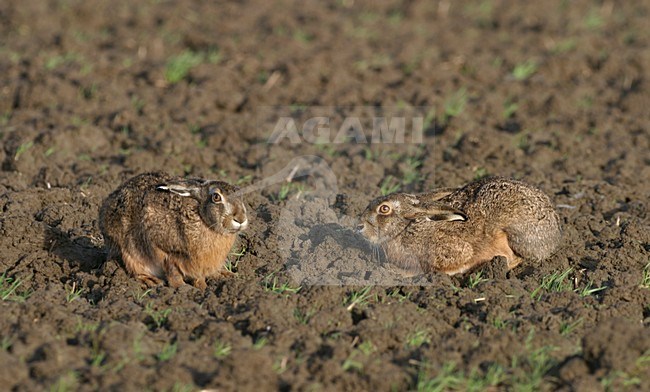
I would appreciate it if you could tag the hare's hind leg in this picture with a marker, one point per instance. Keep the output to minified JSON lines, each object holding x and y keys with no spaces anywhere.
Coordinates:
{"x":534,"y":240}
{"x":140,"y":269}
{"x":499,"y":245}
{"x":171,"y":264}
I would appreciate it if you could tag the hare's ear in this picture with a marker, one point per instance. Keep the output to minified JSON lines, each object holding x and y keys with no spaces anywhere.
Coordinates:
{"x":182,"y":188}
{"x":450,"y":215}
{"x":437,"y":212}
{"x":437,"y":194}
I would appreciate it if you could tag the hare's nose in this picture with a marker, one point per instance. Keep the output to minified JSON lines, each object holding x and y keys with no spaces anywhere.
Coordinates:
{"x":360,"y":227}
{"x":239,"y":222}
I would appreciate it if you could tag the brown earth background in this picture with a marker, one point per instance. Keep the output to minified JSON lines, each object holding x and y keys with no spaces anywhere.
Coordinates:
{"x":555,"y":93}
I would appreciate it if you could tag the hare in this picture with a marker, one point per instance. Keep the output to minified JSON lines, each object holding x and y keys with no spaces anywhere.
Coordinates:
{"x":455,"y":230}
{"x":171,"y":228}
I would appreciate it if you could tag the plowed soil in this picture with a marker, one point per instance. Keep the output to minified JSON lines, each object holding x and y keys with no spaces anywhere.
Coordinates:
{"x":554,"y":93}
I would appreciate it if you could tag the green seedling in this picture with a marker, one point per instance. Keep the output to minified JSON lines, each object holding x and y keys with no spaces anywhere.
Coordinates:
{"x":178,"y":67}
{"x":194,"y":129}
{"x":429,"y":118}
{"x":369,"y":154}
{"x":358,"y":298}
{"x":327,"y":148}
{"x":367,"y":348}
{"x":589,"y":290}
{"x":9,"y":289}
{"x":538,"y":362}
{"x":586,"y":102}
{"x":159,"y":317}
{"x":594,"y":20}
{"x":351,"y":365}
{"x":455,"y":105}
{"x":397,"y":293}
{"x":67,"y":382}
{"x":526,"y":372}
{"x":447,"y":379}
{"x":395,"y":17}
{"x":566,"y":328}
{"x":558,"y":282}
{"x":620,"y":377}
{"x":280,"y":365}
{"x":480,"y":172}
{"x":221,"y":349}
{"x":263,"y":77}
{"x":489,"y":381}
{"x":214,"y":56}
{"x":499,"y":323}
{"x":233,"y":262}
{"x":58,"y":60}
{"x":522,"y":141}
{"x":418,"y":338}
{"x":4,"y":120}
{"x":525,"y":70}
{"x":303,"y":317}
{"x":88,"y":92}
{"x":6,"y":343}
{"x":97,"y":355}
{"x":555,"y":282}
{"x":644,"y":360}
{"x":275,"y":287}
{"x":412,"y":171}
{"x":509,"y":109}
{"x":451,"y":379}
{"x":167,"y":352}
{"x":244,"y":179}
{"x":73,"y":293}
{"x":389,"y":185}
{"x":86,"y":183}
{"x":85,"y":327}
{"x":140,"y":294}
{"x":180,"y":387}
{"x":302,"y":36}
{"x":475,"y":279}
{"x":565,"y":46}
{"x":22,"y":149}
{"x":645,"y":277}
{"x":260,"y":343}
{"x":137,"y":103}
{"x":138,"y":352}
{"x":286,"y":189}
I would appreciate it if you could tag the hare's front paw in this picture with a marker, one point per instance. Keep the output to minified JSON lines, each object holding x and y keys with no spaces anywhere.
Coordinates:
{"x":226,"y":274}
{"x":149,"y":280}
{"x":200,"y":284}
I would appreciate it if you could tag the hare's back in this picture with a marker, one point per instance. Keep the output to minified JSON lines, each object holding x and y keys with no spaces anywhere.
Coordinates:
{"x":522,"y":211}
{"x":501,"y":198}
{"x":124,"y":207}
{"x":145,"y":182}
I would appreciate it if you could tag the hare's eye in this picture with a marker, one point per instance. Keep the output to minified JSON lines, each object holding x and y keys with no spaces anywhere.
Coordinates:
{"x":384,"y":209}
{"x":216,"y":197}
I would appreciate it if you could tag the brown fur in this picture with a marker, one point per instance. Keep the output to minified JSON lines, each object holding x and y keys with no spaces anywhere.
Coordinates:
{"x":169,"y":228}
{"x":455,"y":230}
